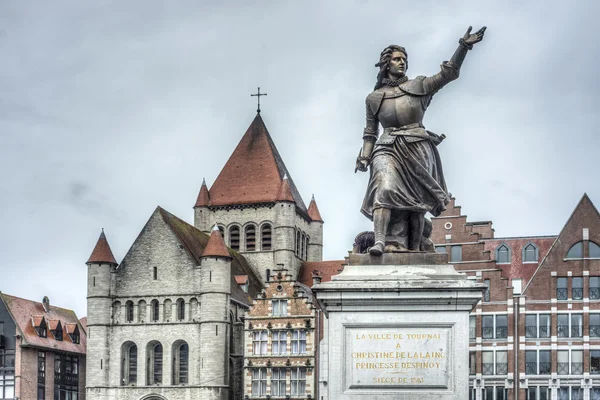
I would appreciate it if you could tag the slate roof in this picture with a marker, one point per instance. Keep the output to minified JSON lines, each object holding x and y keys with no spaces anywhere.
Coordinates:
{"x":325,"y":268}
{"x":25,"y":313}
{"x":254,"y":172}
{"x":195,"y":241}
{"x":102,"y":252}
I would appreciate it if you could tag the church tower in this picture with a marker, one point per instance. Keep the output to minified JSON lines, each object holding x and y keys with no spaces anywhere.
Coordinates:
{"x":101,"y":264}
{"x":258,"y":208}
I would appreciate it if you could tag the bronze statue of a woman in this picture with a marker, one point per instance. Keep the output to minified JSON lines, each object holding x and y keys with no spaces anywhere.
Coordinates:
{"x":406,"y":179}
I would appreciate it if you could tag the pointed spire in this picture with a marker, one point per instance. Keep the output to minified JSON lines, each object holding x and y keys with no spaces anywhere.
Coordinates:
{"x":285,"y":191}
{"x":102,"y":253}
{"x":203,"y":199}
{"x":216,"y":245}
{"x":313,"y":210}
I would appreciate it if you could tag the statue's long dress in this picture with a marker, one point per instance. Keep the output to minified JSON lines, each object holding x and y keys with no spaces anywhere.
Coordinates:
{"x":406,"y":173}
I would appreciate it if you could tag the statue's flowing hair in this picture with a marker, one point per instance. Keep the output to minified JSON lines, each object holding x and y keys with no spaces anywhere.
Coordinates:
{"x":384,"y":62}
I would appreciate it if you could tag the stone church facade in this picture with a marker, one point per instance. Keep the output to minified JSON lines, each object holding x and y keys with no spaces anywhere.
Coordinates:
{"x":166,"y":322}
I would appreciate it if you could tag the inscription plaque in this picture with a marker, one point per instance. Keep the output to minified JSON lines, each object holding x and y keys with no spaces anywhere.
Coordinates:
{"x":398,"y":357}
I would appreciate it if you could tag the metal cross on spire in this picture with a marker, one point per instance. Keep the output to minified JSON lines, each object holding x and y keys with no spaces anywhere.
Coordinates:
{"x":258,"y":96}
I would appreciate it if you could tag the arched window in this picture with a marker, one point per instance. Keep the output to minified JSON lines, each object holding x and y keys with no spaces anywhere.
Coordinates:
{"x":222,"y":231}
{"x":129,"y":311}
{"x":142,"y":311}
{"x":530,"y":253}
{"x":306,"y":247}
{"x":576,"y":251}
{"x":167,"y":310}
{"x":155,"y":310}
{"x":129,"y":363}
{"x":116,"y":311}
{"x":180,"y":310}
{"x":503,"y":255}
{"x":594,"y":250}
{"x":250,"y":233}
{"x":265,"y":237}
{"x":193,"y":309}
{"x":155,"y":363}
{"x":298,"y":243}
{"x":234,"y":238}
{"x":302,"y":245}
{"x":180,"y":365}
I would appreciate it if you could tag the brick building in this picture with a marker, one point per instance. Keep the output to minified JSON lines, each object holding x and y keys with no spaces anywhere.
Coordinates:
{"x":42,"y":351}
{"x":166,"y":322}
{"x":536,"y":334}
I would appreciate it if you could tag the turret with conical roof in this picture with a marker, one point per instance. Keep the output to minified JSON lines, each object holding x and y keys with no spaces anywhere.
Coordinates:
{"x":215,"y":281}
{"x":315,"y":245}
{"x":101,"y":264}
{"x":257,"y":204}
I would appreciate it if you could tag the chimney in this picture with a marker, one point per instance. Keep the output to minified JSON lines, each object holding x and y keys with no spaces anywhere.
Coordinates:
{"x":316,"y":277}
{"x":46,"y":304}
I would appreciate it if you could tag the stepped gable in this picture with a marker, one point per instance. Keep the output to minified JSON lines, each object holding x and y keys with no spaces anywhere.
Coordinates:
{"x":313,"y":211}
{"x":203,"y":199}
{"x":195,"y":241}
{"x":585,"y":215}
{"x":27,"y":313}
{"x":254,"y":172}
{"x":216,"y":245}
{"x":102,"y":253}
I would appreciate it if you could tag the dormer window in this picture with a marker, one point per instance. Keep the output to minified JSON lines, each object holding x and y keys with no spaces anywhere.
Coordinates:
{"x":39,"y":324}
{"x":57,"y":332}
{"x":73,"y":332}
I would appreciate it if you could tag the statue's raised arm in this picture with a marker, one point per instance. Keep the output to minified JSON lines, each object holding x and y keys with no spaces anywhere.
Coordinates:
{"x":406,"y":178}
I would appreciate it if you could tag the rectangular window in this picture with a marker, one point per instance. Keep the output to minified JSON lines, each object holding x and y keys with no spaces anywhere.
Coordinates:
{"x":576,"y":362}
{"x":487,"y":322}
{"x":279,"y":343}
{"x":594,"y":325}
{"x":544,"y":331}
{"x":595,"y":287}
{"x":577,"y":288}
{"x":544,"y":364}
{"x":155,"y":273}
{"x":7,"y":386}
{"x":562,"y":325}
{"x":501,"y":363}
{"x":517,"y":285}
{"x":501,"y":326}
{"x":279,"y":308}
{"x":472,"y":363}
{"x":259,"y":342}
{"x":595,"y":393}
{"x":537,"y":363}
{"x":41,"y":368}
{"x":298,"y":381}
{"x":531,"y":329}
{"x":487,"y":362}
{"x":501,"y":393}
{"x":298,"y":342}
{"x":595,"y":362}
{"x":259,"y":382}
{"x":488,"y":393}
{"x":440,"y":249}
{"x":278,"y":382}
{"x":538,"y":393}
{"x":561,"y":289}
{"x":472,"y":327}
{"x":456,"y":253}
{"x":563,"y":362}
{"x":576,"y":325}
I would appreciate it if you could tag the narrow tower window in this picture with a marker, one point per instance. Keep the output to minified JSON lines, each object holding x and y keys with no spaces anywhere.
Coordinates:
{"x":250,"y":238}
{"x":265,"y":237}
{"x":155,"y":273}
{"x":234,"y":238}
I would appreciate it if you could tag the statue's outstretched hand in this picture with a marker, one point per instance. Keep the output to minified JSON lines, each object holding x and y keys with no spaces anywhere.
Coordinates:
{"x":362,"y":164}
{"x":471,"y":39}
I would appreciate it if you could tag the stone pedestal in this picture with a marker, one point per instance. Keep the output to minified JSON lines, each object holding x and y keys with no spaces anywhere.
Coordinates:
{"x":397,"y":327}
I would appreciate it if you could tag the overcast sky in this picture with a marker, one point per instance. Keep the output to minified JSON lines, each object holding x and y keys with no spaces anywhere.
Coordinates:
{"x":110,"y":108}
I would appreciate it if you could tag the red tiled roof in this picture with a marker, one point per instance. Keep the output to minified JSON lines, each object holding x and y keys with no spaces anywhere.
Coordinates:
{"x":26,"y":313}
{"x":36,"y":320}
{"x":254,"y":172}
{"x":241,"y":279}
{"x":83,"y":322}
{"x":70,"y":328}
{"x":313,"y":211}
{"x":102,"y":252}
{"x":326,"y":270}
{"x":203,"y":199}
{"x":53,"y":324}
{"x":216,"y":246}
